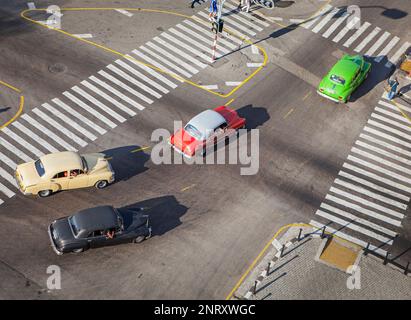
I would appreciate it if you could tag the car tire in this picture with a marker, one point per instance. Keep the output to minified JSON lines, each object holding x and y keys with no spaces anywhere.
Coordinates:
{"x":101,"y":184}
{"x":139,"y":239}
{"x":44,"y":193}
{"x":80,"y":250}
{"x":348,"y":99}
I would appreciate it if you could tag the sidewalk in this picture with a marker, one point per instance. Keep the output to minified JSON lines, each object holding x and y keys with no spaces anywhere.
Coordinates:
{"x":299,"y":274}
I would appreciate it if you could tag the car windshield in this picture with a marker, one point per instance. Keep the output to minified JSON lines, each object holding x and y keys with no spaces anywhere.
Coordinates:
{"x":73,"y":225}
{"x":40,"y":168}
{"x":193,"y":131}
{"x":337,"y":79}
{"x":85,"y":168}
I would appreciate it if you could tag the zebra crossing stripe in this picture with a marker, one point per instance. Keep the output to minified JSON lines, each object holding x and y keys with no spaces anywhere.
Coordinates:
{"x":76,"y":114}
{"x":98,"y":103}
{"x":313,"y":20}
{"x":387,"y":49}
{"x":60,"y":128}
{"x":14,"y":150}
{"x":125,"y":12}
{"x":392,"y":114}
{"x":378,"y":43}
{"x":6,"y":191}
{"x":108,"y":98}
{"x":90,"y":110}
{"x":142,"y":76}
{"x":397,"y":55}
{"x":243,"y":14}
{"x":34,"y":136}
{"x":350,"y":225}
{"x":387,"y":128}
{"x":392,"y":122}
{"x":371,"y":194}
{"x":393,"y":107}
{"x":367,"y":39}
{"x":385,"y":145}
{"x":350,"y":25}
{"x":8,"y":161}
{"x":336,"y":24}
{"x":325,"y":20}
{"x":373,"y":186}
{"x":23,"y":142}
{"x":349,"y":238}
{"x":7,"y":176}
{"x":69,"y":121}
{"x":363,"y":210}
{"x":238,"y":17}
{"x":355,"y":36}
{"x":239,"y":26}
{"x":123,"y":86}
{"x":387,"y":136}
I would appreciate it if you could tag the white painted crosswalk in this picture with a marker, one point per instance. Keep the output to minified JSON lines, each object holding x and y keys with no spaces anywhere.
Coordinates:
{"x":120,"y":91}
{"x":367,"y":201}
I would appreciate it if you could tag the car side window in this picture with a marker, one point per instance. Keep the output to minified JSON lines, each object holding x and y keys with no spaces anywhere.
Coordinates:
{"x":63,"y":174}
{"x":220,"y":128}
{"x":76,"y":172}
{"x":96,"y":233}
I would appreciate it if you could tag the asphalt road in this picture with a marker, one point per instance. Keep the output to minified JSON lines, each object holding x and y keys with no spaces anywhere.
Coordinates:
{"x":209,"y":222}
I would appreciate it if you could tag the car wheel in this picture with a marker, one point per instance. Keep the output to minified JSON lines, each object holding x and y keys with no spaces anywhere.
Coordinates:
{"x":80,"y":250}
{"x":139,"y":239}
{"x":347,"y":99}
{"x":44,"y":193}
{"x":101,"y":184}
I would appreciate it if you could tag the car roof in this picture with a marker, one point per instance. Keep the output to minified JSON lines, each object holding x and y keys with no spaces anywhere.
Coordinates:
{"x":207,"y":120}
{"x":97,"y":218}
{"x":345,"y":68}
{"x":61,"y":161}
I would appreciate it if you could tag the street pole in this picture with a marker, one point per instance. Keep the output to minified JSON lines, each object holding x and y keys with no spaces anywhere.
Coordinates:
{"x":214,"y":48}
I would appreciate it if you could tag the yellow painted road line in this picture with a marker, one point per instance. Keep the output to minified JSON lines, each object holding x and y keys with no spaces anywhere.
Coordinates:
{"x":10,"y":87}
{"x":23,"y":15}
{"x":253,"y":264}
{"x":186,"y":188}
{"x":140,"y":149}
{"x":288,"y":113}
{"x":21,"y":107}
{"x":229,"y":102}
{"x":307,"y":95}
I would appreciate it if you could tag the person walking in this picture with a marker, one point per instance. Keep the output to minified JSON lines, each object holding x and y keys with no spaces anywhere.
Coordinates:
{"x":194,"y":2}
{"x":213,"y":10}
{"x":245,"y":5}
{"x":393,"y":88}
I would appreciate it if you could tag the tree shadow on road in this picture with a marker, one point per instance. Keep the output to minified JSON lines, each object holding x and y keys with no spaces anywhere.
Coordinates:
{"x":254,"y":116}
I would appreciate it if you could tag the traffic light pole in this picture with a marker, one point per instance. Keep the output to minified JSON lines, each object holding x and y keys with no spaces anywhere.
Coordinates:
{"x":217,"y":27}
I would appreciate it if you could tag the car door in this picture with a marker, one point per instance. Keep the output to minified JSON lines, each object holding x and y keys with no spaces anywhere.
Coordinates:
{"x":78,"y":179}
{"x":97,"y":239}
{"x":61,"y":179}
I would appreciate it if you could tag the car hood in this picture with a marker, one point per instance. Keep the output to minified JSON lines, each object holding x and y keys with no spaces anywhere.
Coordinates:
{"x":28,"y":174}
{"x":61,"y":231}
{"x":96,"y":162}
{"x":181,"y":140}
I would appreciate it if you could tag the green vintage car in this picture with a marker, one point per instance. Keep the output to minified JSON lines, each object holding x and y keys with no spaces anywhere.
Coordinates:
{"x":344,"y":77}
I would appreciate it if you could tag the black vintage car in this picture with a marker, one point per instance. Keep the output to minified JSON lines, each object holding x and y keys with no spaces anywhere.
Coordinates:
{"x":97,"y":227}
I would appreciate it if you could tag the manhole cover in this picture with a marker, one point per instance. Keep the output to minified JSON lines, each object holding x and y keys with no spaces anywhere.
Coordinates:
{"x":57,"y":68}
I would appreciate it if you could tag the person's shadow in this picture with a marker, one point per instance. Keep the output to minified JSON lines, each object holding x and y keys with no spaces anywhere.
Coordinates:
{"x":254,"y":116}
{"x":4,"y":109}
{"x":127,"y":161}
{"x":164,"y":213}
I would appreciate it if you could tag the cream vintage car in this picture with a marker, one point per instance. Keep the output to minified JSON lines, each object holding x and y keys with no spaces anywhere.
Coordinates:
{"x":63,"y":171}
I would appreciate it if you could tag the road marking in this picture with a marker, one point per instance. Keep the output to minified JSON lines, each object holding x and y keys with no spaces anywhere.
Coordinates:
{"x":392,"y":122}
{"x":384,"y":52}
{"x":157,"y":64}
{"x":392,"y":114}
{"x":167,"y":62}
{"x":34,"y":136}
{"x":125,"y":12}
{"x":49,"y":133}
{"x":79,"y":116}
{"x":380,"y":169}
{"x":142,"y":76}
{"x":31,"y":5}
{"x":349,"y":238}
{"x":388,"y":137}
{"x":123,"y":86}
{"x":386,"y":145}
{"x":6,"y":191}
{"x":211,"y":87}
{"x":243,"y":14}
{"x":387,"y":128}
{"x":182,"y":54}
{"x":134,"y":81}
{"x":229,"y":102}
{"x":83,"y":35}
{"x":349,"y":26}
{"x":232,"y":83}
{"x":307,"y":95}
{"x":350,"y":225}
{"x":98,"y":104}
{"x":238,"y":33}
{"x":355,"y":36}
{"x":367,"y":39}
{"x":140,"y":149}
{"x":394,"y":59}
{"x":8,"y":161}
{"x":373,"y":186}
{"x":398,"y":105}
{"x":371,"y":194}
{"x":152,"y":72}
{"x":232,"y":22}
{"x":378,"y":43}
{"x":254,"y":64}
{"x":313,"y":20}
{"x":325,"y":20}
{"x":14,"y":150}
{"x":336,"y":24}
{"x":288,"y":113}
{"x":92,"y":111}
{"x":8,"y":177}
{"x":69,"y":121}
{"x":254,"y":50}
{"x":28,"y":146}
{"x":242,"y":20}
{"x":60,"y":128}
{"x":189,"y":187}
{"x":297,"y":21}
{"x":362,"y":210}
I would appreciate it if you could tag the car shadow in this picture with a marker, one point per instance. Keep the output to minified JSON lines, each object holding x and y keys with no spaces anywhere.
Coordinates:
{"x":379,"y":73}
{"x":254,"y":116}
{"x":126,"y":161}
{"x":164,"y":213}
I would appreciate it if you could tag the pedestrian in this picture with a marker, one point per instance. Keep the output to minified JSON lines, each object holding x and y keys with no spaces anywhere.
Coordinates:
{"x":213,"y":10}
{"x":245,"y":5}
{"x":194,"y":2}
{"x":393,"y":88}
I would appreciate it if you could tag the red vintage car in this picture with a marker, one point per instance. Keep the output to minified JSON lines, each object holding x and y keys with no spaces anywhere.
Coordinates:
{"x":205,"y":130}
